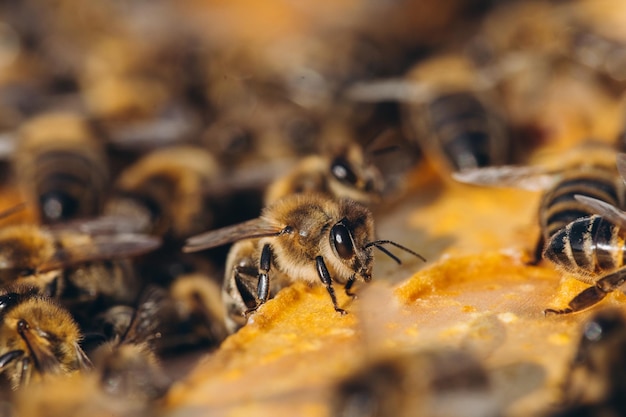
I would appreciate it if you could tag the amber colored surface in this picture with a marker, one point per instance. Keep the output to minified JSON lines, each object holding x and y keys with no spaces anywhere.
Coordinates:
{"x":475,"y":292}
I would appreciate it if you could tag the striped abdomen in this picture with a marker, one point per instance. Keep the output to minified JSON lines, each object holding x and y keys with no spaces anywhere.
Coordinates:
{"x":469,"y":135}
{"x":61,"y":166}
{"x":69,"y":183}
{"x":587,"y":246}
{"x":559,"y":207}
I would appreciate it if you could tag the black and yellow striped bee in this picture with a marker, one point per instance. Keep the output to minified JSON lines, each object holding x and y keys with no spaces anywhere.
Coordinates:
{"x":579,"y":216}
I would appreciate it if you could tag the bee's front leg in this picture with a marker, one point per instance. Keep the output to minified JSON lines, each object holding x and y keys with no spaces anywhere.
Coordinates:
{"x":348,"y":287}
{"x":324,"y":275}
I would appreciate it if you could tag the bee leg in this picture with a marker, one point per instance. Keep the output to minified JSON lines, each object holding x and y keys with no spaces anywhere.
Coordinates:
{"x":246,"y":278}
{"x":348,"y":287}
{"x":263,"y":285}
{"x":538,"y":252}
{"x":9,"y":357}
{"x":595,"y":294}
{"x":324,"y":275}
{"x":25,"y":372}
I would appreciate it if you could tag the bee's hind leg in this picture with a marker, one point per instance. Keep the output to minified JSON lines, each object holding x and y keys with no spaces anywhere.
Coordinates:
{"x":595,"y":294}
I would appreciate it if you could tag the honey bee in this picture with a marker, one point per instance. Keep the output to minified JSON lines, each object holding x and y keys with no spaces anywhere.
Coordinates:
{"x":597,"y":41}
{"x":77,"y":267}
{"x":38,"y":337}
{"x":595,"y":382}
{"x":304,"y":237}
{"x":434,"y":383}
{"x":450,"y":110}
{"x":199,"y":314}
{"x":61,"y":167}
{"x":164,"y":193}
{"x":259,"y":125}
{"x":127,"y":364}
{"x":345,"y":174}
{"x":578,"y":216}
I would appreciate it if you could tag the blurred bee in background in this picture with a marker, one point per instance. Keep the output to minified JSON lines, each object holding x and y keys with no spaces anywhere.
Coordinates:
{"x":553,"y":97}
{"x":450,"y":109}
{"x":345,"y":171}
{"x":594,"y":383}
{"x":303,"y":237}
{"x":435,"y":383}
{"x":597,"y":40}
{"x":38,"y":337}
{"x":456,"y":125}
{"x":521,"y":27}
{"x":187,"y":314}
{"x":199,"y":314}
{"x":577,"y":235}
{"x":260,"y":126}
{"x":61,"y":167}
{"x":82,"y":270}
{"x":164,"y":192}
{"x":126,"y":364}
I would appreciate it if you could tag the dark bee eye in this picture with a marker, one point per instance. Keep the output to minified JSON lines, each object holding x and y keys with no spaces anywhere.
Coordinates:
{"x":340,"y":168}
{"x":341,"y":240}
{"x":7,"y":301}
{"x":57,"y":206}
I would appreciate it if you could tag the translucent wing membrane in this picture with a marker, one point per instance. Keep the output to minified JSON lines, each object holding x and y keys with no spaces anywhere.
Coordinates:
{"x":250,"y":229}
{"x":101,"y":225}
{"x":606,"y":210}
{"x":522,"y":177}
{"x":145,"y":321}
{"x":621,"y":165}
{"x":97,"y":248}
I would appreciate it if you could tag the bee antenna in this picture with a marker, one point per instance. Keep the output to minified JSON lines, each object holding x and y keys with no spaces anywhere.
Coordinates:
{"x":378,"y":243}
{"x":389,"y":254}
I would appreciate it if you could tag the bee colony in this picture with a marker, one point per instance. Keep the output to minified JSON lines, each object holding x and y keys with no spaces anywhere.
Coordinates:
{"x":342,"y":209}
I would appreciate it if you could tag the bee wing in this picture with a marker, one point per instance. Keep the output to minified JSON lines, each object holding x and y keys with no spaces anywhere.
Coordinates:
{"x":603,"y":209}
{"x":98,"y":248}
{"x":8,"y":144}
{"x":621,"y":165}
{"x":145,"y":321}
{"x":170,"y":129}
{"x":522,"y":177}
{"x":390,"y":90}
{"x":100,"y":225}
{"x":251,"y":229}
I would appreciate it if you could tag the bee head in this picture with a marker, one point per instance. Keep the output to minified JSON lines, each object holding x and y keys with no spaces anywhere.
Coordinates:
{"x":355,"y":257}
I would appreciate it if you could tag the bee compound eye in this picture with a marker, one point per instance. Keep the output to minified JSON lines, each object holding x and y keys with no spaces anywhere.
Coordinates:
{"x":57,"y":206}
{"x":341,"y":169}
{"x":7,"y":301}
{"x":341,"y":240}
